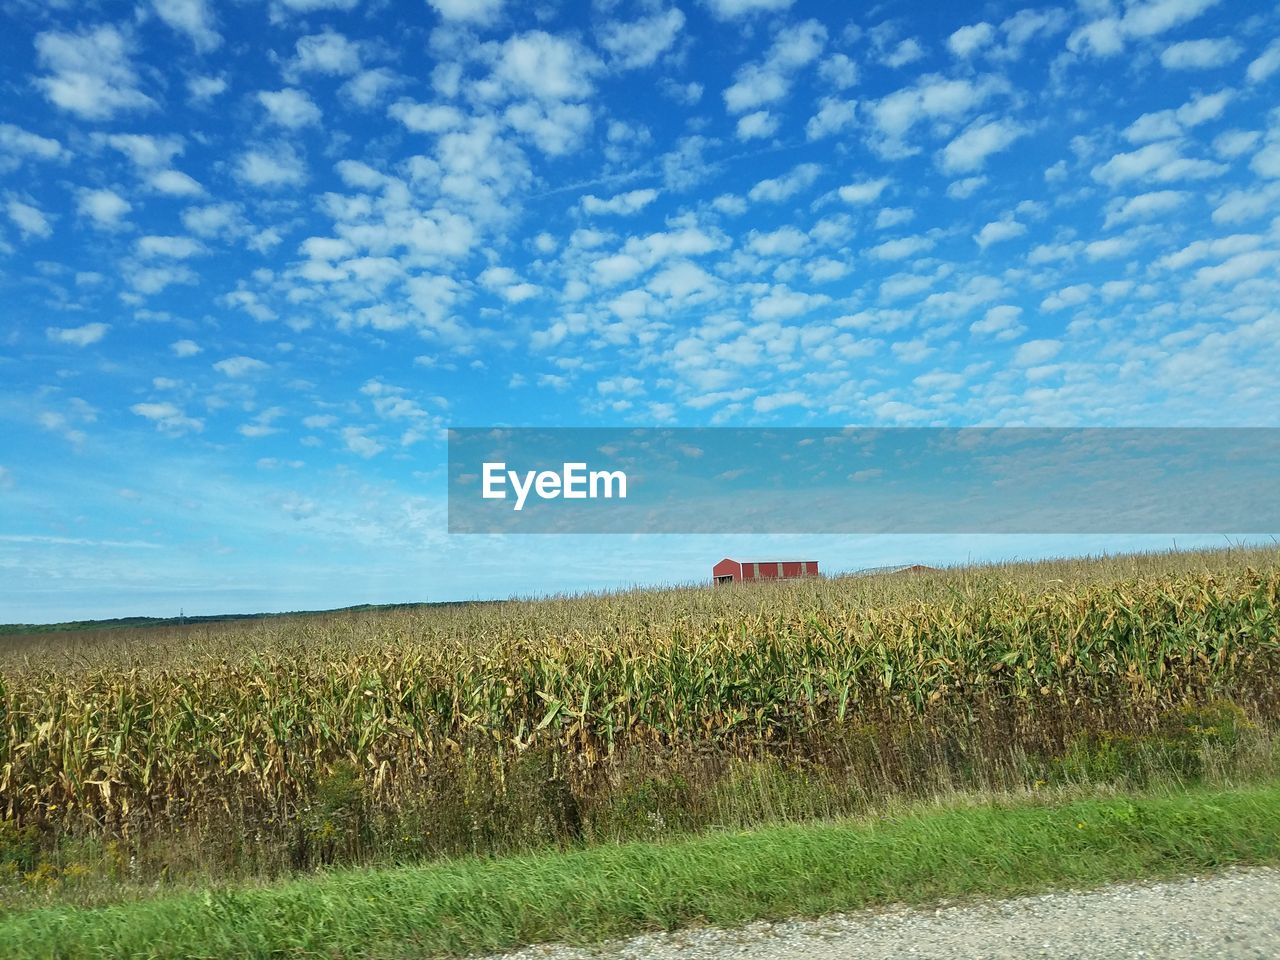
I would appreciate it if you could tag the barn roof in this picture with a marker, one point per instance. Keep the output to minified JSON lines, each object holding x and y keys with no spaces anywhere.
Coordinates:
{"x":731,"y":560}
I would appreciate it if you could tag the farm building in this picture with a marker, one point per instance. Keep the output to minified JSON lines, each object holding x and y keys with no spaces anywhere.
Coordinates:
{"x":735,"y":571}
{"x":881,"y":571}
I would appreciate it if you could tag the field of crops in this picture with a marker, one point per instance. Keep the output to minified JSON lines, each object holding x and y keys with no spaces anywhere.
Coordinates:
{"x":278,"y":744}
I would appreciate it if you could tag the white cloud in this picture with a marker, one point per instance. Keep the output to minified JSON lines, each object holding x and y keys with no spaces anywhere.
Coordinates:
{"x":239,"y":366}
{"x":687,"y":94}
{"x":176,"y":248}
{"x":838,"y":71}
{"x":18,"y":145}
{"x":1159,"y":16}
{"x":1106,"y":36}
{"x":1241,"y":205}
{"x":863,"y":191}
{"x":966,"y":188}
{"x":782,"y":302}
{"x":785,"y":241}
{"x":769,"y":402}
{"x":833,"y":116}
{"x":732,"y":9}
{"x":1115,"y":289}
{"x":768,"y":81}
{"x":145,"y":152}
{"x":1001,"y":323}
{"x":1160,"y":162}
{"x":932,"y":98}
{"x":326,"y":248}
{"x":1028,"y":24}
{"x":358,"y":443}
{"x":1209,"y":249}
{"x":622,"y":203}
{"x":62,"y":423}
{"x":105,"y":208}
{"x":900,"y":249}
{"x":827,"y":269}
{"x":1110,"y":248}
{"x":262,"y":425}
{"x":328,"y":52}
{"x":1100,"y":38}
{"x":641,"y":42}
{"x":687,"y":165}
{"x":1240,"y":267}
{"x":906,"y":52}
{"x":481,"y":12}
{"x":427,"y":117}
{"x":907,"y":351}
{"x":1145,"y":206}
{"x":174,"y":183}
{"x":507,"y":284}
{"x":202,"y":89}
{"x":168,"y":417}
{"x":1200,"y":54}
{"x":30,"y":220}
{"x":1235,"y":143}
{"x":90,"y":73}
{"x":902,"y":285}
{"x":1154,"y":126}
{"x":1204,"y":107}
{"x":967,"y":41}
{"x":616,"y":268}
{"x":555,"y":128}
{"x":969,"y":151}
{"x":683,"y":283}
{"x":214,"y":220}
{"x":1036,"y":351}
{"x":893,"y":217}
{"x":359,"y":175}
{"x":271,"y":167}
{"x":311,"y":6}
{"x":755,"y":87}
{"x":761,"y":123}
{"x":1167,"y":124}
{"x":1267,"y":63}
{"x":369,"y":86}
{"x":546,"y":67}
{"x":191,"y":17}
{"x":83,"y":336}
{"x":1266,"y":162}
{"x":185,"y":348}
{"x":1069,"y":296}
{"x":1054,"y":252}
{"x":290,"y":108}
{"x":799,"y":178}
{"x":153,"y":279}
{"x":998,"y":231}
{"x":729,"y":204}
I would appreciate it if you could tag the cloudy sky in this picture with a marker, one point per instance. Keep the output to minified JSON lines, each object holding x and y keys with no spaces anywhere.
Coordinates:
{"x":255,"y":256}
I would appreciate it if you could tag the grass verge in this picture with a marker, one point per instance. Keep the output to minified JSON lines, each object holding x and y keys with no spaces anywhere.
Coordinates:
{"x":472,"y":906}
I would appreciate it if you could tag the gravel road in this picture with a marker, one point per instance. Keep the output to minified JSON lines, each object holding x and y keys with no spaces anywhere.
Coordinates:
{"x":1235,"y":914}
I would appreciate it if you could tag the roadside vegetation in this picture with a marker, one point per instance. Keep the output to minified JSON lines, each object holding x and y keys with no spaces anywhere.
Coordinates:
{"x":137,"y":761}
{"x":471,"y":906}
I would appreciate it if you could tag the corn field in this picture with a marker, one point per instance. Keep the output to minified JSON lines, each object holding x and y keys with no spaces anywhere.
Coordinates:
{"x":255,"y":726}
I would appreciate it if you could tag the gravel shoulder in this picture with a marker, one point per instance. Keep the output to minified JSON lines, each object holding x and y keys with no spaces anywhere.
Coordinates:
{"x":1235,"y":914}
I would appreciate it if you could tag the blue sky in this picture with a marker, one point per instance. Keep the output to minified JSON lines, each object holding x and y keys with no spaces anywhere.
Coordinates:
{"x":256,"y":256}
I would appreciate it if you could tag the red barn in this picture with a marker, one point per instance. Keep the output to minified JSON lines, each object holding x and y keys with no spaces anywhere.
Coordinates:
{"x":734,"y":571}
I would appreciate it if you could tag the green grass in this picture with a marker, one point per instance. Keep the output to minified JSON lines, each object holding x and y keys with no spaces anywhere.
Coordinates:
{"x":470,"y":906}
